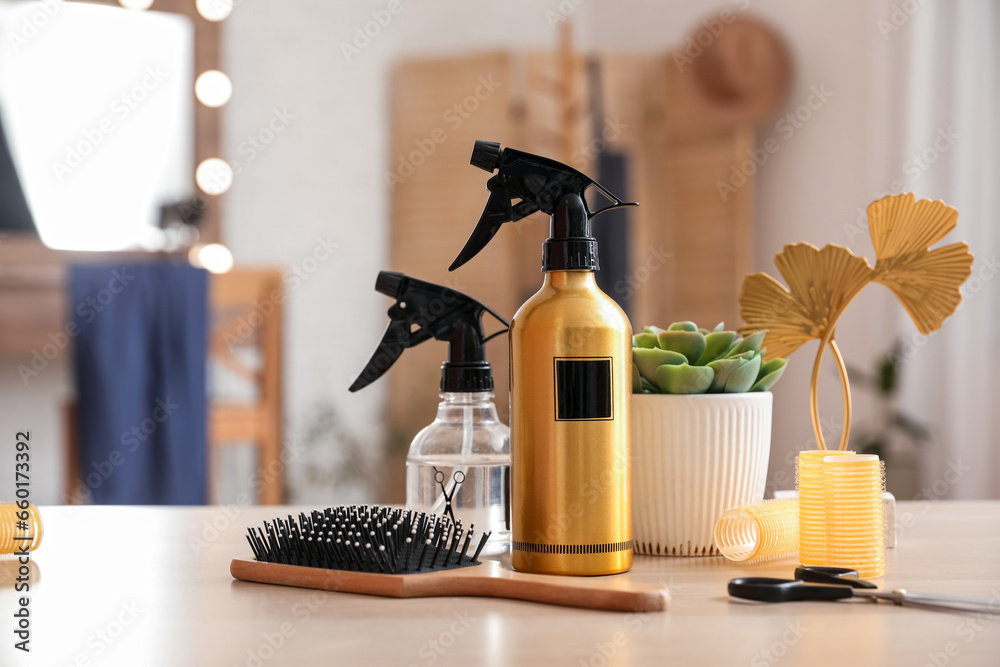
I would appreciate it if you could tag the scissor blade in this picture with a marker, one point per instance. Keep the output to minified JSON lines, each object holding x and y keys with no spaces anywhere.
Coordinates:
{"x":934,"y":603}
{"x":981,"y":606}
{"x":837,"y":576}
{"x":995,"y":604}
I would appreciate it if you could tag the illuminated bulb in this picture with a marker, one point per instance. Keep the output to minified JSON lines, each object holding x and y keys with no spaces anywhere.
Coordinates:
{"x":213,"y":176}
{"x":213,"y":88}
{"x":135,"y":4}
{"x":213,"y":257}
{"x":214,"y":10}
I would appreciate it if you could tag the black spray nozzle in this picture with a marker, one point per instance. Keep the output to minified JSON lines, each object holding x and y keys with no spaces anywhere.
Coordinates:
{"x":486,"y":155}
{"x":389,"y":283}
{"x":423,"y":311}
{"x":536,"y":183}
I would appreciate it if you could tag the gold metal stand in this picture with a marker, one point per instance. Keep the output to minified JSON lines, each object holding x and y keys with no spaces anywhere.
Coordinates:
{"x":814,"y":393}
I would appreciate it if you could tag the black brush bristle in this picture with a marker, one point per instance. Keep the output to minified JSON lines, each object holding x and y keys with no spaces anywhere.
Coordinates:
{"x":454,"y":543}
{"x":468,"y":538}
{"x":366,"y":538}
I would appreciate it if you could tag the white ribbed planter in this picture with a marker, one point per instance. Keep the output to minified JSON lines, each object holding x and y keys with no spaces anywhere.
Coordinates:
{"x":694,"y":457}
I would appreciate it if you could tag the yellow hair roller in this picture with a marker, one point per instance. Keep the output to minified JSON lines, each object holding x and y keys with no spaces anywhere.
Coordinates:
{"x":16,"y":531}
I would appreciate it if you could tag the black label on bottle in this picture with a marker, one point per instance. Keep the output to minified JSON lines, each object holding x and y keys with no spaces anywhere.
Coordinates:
{"x":583,"y":389}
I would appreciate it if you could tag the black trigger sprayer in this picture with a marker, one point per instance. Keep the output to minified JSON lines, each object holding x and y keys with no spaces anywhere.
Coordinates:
{"x":459,"y":465}
{"x":570,"y":377}
{"x":423,"y":311}
{"x":541,"y":184}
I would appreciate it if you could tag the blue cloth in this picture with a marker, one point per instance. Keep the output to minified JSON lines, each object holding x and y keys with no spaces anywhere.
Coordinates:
{"x":139,"y":334}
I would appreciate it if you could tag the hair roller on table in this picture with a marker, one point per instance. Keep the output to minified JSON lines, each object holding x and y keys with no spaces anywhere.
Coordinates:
{"x":16,"y":531}
{"x":760,"y":532}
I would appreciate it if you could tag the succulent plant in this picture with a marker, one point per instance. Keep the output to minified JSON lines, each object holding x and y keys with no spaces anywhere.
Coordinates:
{"x":683,"y":359}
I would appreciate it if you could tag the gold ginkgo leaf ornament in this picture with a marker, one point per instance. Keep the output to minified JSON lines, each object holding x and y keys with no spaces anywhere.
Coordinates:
{"x":925,"y":281}
{"x":820,"y":285}
{"x":823,"y":282}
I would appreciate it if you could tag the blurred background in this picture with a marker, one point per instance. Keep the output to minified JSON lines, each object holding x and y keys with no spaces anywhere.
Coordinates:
{"x":196,"y":197}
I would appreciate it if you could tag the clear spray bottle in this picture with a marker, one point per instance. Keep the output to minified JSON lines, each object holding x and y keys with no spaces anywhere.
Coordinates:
{"x":459,"y":465}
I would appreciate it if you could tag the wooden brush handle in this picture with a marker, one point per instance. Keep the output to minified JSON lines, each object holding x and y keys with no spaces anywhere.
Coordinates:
{"x":489,"y":579}
{"x":616,"y":593}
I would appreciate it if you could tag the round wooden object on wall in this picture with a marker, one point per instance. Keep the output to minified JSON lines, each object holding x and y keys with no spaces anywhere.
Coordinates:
{"x":743,"y":72}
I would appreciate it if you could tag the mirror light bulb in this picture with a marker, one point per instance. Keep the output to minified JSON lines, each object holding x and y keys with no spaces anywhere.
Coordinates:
{"x":213,"y":257}
{"x":214,"y":176}
{"x":214,"y":10}
{"x":213,"y":88}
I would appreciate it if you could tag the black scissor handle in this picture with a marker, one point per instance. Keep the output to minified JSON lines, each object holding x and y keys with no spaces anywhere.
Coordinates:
{"x":837,"y":576}
{"x":766,"y":589}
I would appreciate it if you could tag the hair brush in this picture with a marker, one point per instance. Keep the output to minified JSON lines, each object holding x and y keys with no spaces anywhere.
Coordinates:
{"x":403,"y":553}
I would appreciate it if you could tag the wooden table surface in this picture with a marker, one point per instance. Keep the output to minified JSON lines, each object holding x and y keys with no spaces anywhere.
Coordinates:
{"x":145,"y":587}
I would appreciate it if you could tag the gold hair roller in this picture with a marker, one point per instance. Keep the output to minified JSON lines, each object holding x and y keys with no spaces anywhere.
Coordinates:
{"x":16,"y":531}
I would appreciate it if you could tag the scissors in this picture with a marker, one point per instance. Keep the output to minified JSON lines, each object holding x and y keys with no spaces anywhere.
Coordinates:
{"x":838,"y":583}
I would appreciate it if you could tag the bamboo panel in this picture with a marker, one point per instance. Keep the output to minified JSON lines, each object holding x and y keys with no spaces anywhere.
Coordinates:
{"x":435,"y":208}
{"x":707,"y":233}
{"x":553,"y":119}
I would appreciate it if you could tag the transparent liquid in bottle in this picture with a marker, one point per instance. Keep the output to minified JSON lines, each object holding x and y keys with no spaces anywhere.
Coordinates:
{"x":478,"y":494}
{"x":462,"y":462}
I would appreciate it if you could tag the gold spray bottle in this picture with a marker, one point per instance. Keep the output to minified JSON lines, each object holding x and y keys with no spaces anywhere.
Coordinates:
{"x":570,"y":378}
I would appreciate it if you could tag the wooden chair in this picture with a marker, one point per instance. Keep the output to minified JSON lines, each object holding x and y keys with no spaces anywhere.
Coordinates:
{"x":246,"y":313}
